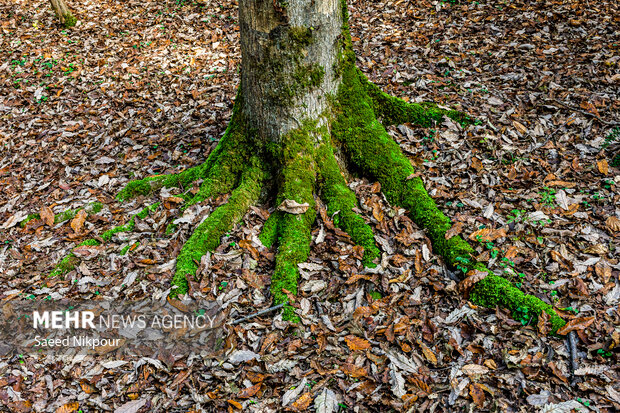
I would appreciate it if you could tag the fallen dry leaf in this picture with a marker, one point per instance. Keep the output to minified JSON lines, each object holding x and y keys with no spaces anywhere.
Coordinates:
{"x":356,"y":343}
{"x":579,"y":323}
{"x":77,"y":223}
{"x":293,"y":207}
{"x":47,"y":215}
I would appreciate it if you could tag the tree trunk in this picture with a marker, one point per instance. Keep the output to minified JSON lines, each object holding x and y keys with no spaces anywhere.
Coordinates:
{"x":301,"y":101}
{"x":288,"y":60}
{"x":63,"y":13}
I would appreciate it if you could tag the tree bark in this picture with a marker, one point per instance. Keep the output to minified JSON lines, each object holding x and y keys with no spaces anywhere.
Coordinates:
{"x":63,"y":13}
{"x":288,"y":59}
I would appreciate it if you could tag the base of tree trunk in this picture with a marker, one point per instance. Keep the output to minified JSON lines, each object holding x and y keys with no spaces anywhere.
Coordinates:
{"x":63,"y":13}
{"x":302,"y":164}
{"x":239,"y":167}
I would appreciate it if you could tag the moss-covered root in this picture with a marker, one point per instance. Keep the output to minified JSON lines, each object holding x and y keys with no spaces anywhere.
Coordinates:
{"x":394,"y":111}
{"x":151,"y":184}
{"x":341,"y":201}
{"x":207,"y":235}
{"x":68,"y":263}
{"x":371,"y":149}
{"x":296,"y":156}
{"x":495,"y":291}
{"x":269,"y":234}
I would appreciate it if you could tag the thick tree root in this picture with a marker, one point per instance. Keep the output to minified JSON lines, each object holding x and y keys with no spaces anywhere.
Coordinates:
{"x":207,"y":235}
{"x":298,"y":172}
{"x":376,"y":155}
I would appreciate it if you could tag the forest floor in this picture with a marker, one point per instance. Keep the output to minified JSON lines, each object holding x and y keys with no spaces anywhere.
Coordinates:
{"x":146,"y":87}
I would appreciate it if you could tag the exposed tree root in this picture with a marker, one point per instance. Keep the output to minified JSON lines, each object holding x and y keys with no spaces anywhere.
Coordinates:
{"x":296,"y":182}
{"x":394,"y":111}
{"x":207,"y":235}
{"x":377,"y":156}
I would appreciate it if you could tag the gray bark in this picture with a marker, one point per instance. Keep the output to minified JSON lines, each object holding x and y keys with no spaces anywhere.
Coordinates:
{"x":61,"y":9}
{"x":285,"y":46}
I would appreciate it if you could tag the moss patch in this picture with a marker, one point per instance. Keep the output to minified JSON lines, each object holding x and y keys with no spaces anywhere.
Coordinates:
{"x":395,"y":111}
{"x":70,"y":20}
{"x":92,"y":208}
{"x":496,"y":291}
{"x":269,"y":233}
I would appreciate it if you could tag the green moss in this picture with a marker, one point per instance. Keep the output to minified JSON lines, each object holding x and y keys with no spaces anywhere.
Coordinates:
{"x":284,"y":68}
{"x":496,"y":291}
{"x":128,"y":227}
{"x":70,"y":20}
{"x":269,"y":233}
{"x":66,"y":215}
{"x":96,"y":207}
{"x":395,"y":111}
{"x":29,"y":218}
{"x":171,"y":228}
{"x":207,"y":236}
{"x":341,"y":200}
{"x":300,"y":36}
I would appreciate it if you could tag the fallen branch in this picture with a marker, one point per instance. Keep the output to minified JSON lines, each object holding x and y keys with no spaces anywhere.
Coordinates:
{"x":261,"y":312}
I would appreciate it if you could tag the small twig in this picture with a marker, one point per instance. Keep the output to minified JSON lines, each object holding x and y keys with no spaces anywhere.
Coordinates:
{"x":572,"y":347}
{"x":261,"y":312}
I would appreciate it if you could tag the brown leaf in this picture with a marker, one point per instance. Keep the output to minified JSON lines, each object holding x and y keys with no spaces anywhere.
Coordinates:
{"x":293,"y":207}
{"x":428,"y":353}
{"x":474,"y":370}
{"x":353,"y":370}
{"x":78,"y":221}
{"x":303,"y":402}
{"x":87,"y":252}
{"x":613,"y":223}
{"x":477,"y":394}
{"x":235,"y":404}
{"x":68,"y":408}
{"x":476,"y":164}
{"x":356,"y":277}
{"x":356,"y":343}
{"x":603,"y":166}
{"x":520,"y":127}
{"x":249,"y":391}
{"x":473,"y":277}
{"x":557,"y":372}
{"x":455,"y":230}
{"x":487,"y":234}
{"x":579,"y":323}
{"x":87,"y":387}
{"x":543,"y":323}
{"x":47,"y":215}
